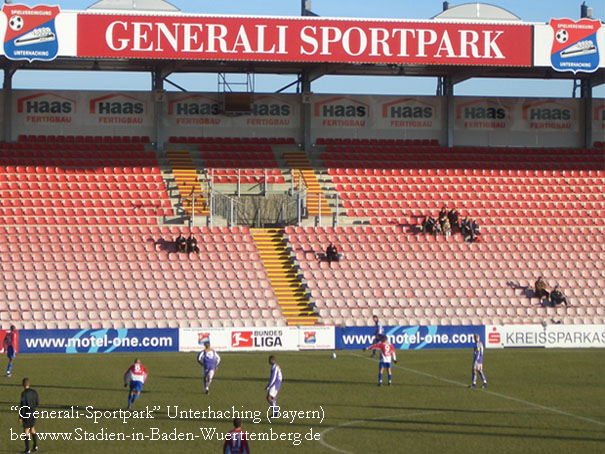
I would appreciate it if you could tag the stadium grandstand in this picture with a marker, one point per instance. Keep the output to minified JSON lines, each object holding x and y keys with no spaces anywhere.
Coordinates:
{"x":96,"y":186}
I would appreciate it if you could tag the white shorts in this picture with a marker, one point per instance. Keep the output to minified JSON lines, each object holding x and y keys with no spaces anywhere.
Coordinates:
{"x":478,"y":366}
{"x":273,"y":392}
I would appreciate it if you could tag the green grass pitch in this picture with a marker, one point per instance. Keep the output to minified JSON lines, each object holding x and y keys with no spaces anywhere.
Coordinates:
{"x":538,"y":401}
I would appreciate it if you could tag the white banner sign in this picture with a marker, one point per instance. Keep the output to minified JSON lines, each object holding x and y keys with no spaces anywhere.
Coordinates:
{"x":258,"y":339}
{"x":316,"y":338}
{"x":195,"y":114}
{"x":239,"y":339}
{"x":477,"y":122}
{"x":82,"y":113}
{"x":538,"y":115}
{"x":548,"y":336}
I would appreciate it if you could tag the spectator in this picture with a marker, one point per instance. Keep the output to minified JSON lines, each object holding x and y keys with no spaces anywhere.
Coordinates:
{"x":470,"y":230}
{"x":540,"y":289}
{"x":437,"y":229}
{"x":475,"y":230}
{"x":446,"y":228}
{"x":181,"y":243}
{"x":466,"y":230}
{"x":454,"y":218}
{"x":332,"y":253}
{"x":192,"y":245}
{"x":428,"y":225}
{"x":557,"y":297}
{"x":442,"y":215}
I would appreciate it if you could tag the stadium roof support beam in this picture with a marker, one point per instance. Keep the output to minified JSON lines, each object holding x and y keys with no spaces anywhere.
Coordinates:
{"x":158,"y":77}
{"x":447,"y":91}
{"x":312,"y":75}
{"x":445,"y":88}
{"x":306,"y":108}
{"x":596,"y":81}
{"x":8,"y":102}
{"x":586,"y":91}
{"x":458,"y":78}
{"x":285,"y":87}
{"x":175,"y":85}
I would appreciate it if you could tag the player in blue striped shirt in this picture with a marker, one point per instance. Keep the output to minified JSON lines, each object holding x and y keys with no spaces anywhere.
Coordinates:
{"x":478,"y":362}
{"x":209,"y":360}
{"x":274,"y":385}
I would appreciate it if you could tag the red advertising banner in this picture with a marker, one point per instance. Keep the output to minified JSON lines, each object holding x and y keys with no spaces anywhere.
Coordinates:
{"x":303,"y":40}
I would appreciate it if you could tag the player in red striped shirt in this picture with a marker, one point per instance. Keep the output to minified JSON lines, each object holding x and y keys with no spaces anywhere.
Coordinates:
{"x":137,"y":374}
{"x":387,"y":352}
{"x":236,"y":441}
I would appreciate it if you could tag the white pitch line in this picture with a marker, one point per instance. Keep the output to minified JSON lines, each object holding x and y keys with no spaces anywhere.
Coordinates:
{"x":399,"y":415}
{"x":351,"y":423}
{"x":502,"y":396}
{"x":445,"y":380}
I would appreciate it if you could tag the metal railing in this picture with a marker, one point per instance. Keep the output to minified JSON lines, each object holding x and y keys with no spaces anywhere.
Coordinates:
{"x":226,"y":207}
{"x":273,"y":210}
{"x":260,"y":208}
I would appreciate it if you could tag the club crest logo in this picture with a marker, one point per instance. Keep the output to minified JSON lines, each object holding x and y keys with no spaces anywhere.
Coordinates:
{"x":202,"y":338}
{"x":30,"y":32}
{"x":310,"y":337}
{"x":575,"y":46}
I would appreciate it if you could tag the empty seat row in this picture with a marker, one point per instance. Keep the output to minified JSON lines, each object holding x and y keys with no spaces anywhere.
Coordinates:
{"x":233,"y":140}
{"x":82,"y":139}
{"x":110,"y":275}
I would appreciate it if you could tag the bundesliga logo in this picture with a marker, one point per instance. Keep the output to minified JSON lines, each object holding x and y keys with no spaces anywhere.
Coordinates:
{"x":241,"y":339}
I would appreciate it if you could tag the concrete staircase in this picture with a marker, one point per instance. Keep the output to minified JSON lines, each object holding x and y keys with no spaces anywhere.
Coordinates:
{"x":298,"y":161}
{"x":284,"y":277}
{"x":185,"y":176}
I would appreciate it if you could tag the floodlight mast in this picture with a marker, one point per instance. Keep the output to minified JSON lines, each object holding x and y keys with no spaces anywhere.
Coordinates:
{"x":585,"y":11}
{"x":305,"y":8}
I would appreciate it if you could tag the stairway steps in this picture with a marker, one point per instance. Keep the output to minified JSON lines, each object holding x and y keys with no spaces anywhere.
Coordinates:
{"x":297,"y":160}
{"x":284,"y":278}
{"x":185,"y":176}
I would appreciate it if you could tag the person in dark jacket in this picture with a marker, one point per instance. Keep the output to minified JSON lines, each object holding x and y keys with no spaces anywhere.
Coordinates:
{"x":27,"y":406}
{"x":454,"y":218}
{"x":557,"y":297}
{"x":181,"y":243}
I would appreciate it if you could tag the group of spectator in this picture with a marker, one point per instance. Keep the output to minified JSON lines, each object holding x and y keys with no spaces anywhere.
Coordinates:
{"x":187,"y":245}
{"x":447,"y":221}
{"x":555,"y":296}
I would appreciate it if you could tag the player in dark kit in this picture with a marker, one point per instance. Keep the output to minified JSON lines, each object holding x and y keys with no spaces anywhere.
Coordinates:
{"x":236,"y":441}
{"x":10,"y":341}
{"x":29,"y":403}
